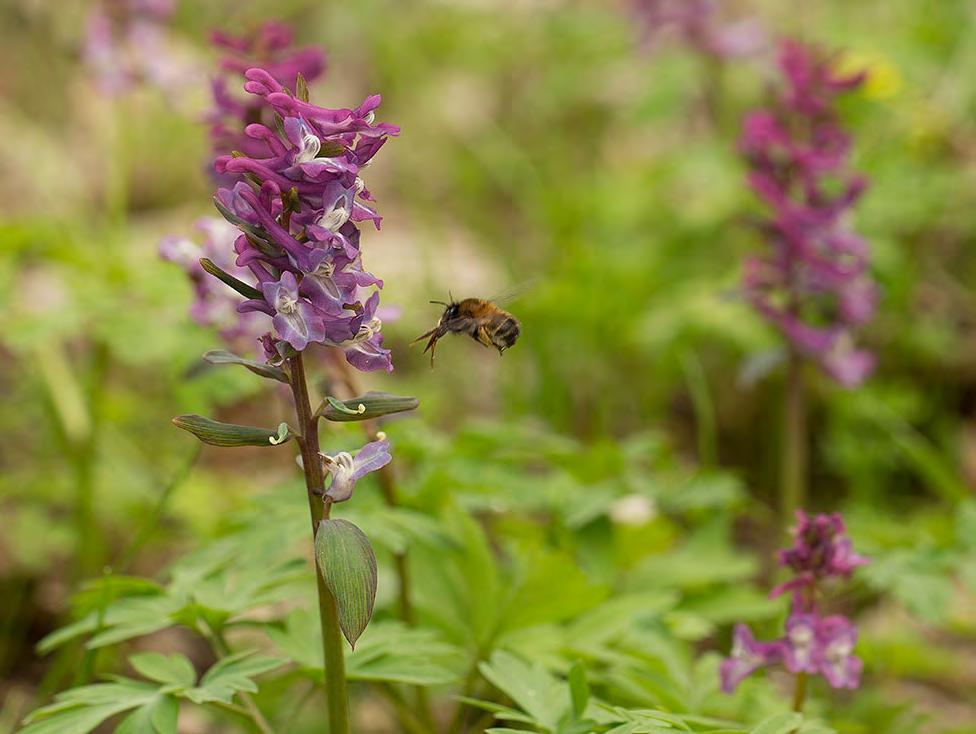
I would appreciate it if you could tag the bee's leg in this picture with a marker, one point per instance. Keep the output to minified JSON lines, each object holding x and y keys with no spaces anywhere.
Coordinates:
{"x":482,"y":336}
{"x":424,"y":336}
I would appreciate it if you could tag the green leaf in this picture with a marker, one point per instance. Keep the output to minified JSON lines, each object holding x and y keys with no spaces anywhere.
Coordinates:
{"x":579,"y":689}
{"x":348,"y":566}
{"x":535,"y":690}
{"x":227,"y":279}
{"x":778,"y":724}
{"x":230,"y":675}
{"x":387,"y":651}
{"x":216,"y":433}
{"x":172,"y":669}
{"x":366,"y":407}
{"x":222,"y":356}
{"x":157,"y":717}
{"x":80,"y":710}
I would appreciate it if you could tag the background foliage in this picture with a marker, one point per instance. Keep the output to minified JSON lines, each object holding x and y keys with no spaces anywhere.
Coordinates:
{"x":590,"y":513}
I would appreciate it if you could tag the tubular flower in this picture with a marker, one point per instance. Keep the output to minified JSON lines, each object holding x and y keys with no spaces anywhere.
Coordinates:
{"x":812,"y":282}
{"x":346,"y":469}
{"x":297,"y":199}
{"x":747,"y":656}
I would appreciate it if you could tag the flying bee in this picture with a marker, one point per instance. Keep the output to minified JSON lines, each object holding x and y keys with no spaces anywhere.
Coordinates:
{"x":479,"y":318}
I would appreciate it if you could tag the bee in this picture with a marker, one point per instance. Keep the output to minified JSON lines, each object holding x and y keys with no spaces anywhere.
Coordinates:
{"x":479,"y":318}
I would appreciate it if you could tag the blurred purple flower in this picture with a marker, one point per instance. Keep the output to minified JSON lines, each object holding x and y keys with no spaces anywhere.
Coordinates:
{"x":823,"y":646}
{"x":747,"y":656}
{"x":270,"y":47}
{"x":214,"y":304}
{"x":820,"y":550}
{"x":812,"y":644}
{"x":812,"y":282}
{"x":346,"y":470}
{"x":837,"y":636}
{"x":128,"y":42}
{"x":698,"y":23}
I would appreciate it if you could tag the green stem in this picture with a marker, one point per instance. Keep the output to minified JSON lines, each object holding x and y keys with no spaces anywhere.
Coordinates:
{"x":800,"y":692}
{"x":335,"y":666}
{"x":387,"y":482}
{"x":701,"y":400}
{"x":793,"y":489}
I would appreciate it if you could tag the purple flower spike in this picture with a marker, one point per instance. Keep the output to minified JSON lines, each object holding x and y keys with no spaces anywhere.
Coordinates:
{"x":747,"y":656}
{"x":812,"y":644}
{"x":812,"y":281}
{"x":346,"y":470}
{"x":292,"y":191}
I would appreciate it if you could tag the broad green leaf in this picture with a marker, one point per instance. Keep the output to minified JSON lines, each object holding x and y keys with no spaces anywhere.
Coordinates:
{"x":216,"y":433}
{"x":172,"y":669}
{"x":536,"y":691}
{"x":230,"y":675}
{"x":778,"y":724}
{"x":222,"y":356}
{"x":552,"y":588}
{"x":348,"y":566}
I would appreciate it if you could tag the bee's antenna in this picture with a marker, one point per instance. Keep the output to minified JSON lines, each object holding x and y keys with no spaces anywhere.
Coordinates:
{"x":441,"y":303}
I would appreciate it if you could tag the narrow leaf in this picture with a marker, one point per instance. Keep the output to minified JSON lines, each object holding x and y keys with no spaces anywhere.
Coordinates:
{"x":348,"y":566}
{"x":222,"y":356}
{"x":257,"y":235}
{"x":216,"y":433}
{"x":374,"y":405}
{"x":778,"y":724}
{"x":238,"y":285}
{"x":579,"y":689}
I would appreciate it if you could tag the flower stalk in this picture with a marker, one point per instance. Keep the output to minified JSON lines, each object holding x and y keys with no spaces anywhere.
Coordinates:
{"x":319,"y":507}
{"x":793,"y":469}
{"x":799,"y":692}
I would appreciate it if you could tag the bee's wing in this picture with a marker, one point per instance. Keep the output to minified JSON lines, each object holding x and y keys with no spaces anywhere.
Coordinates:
{"x":514,"y":292}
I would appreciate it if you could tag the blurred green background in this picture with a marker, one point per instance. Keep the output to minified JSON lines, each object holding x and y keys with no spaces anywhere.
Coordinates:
{"x":544,"y":141}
